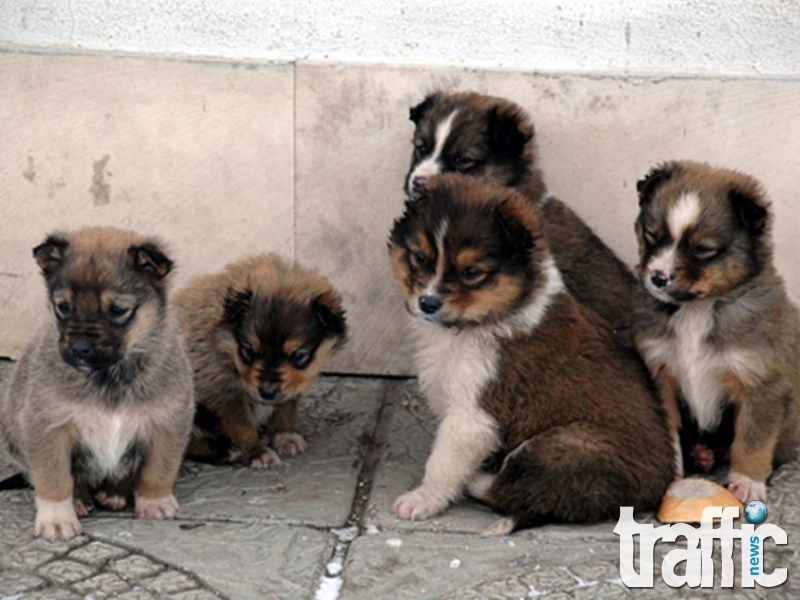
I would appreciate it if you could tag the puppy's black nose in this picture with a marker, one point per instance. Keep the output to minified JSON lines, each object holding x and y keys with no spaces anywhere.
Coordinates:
{"x":660,"y":279}
{"x":429,"y":304}
{"x":80,"y":349}
{"x":418,"y":183}
{"x":268,"y":393}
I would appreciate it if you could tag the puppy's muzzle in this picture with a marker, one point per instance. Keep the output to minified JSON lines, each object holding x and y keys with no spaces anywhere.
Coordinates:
{"x":84,"y":354}
{"x":270,"y":395}
{"x":429,"y":304}
{"x":660,"y":279}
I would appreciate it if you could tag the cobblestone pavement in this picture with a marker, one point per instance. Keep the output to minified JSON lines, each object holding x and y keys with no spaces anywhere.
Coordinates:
{"x":319,"y":527}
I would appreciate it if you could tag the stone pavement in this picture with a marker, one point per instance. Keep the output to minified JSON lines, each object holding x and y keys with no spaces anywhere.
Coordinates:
{"x":320,"y":528}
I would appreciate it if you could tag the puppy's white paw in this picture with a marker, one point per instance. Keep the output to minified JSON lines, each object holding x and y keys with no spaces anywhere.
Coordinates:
{"x":112,"y":501}
{"x":165,"y":507}
{"x":502,"y":526}
{"x":56,"y":520}
{"x":289,"y":443}
{"x":269,"y":459}
{"x":746,"y":489}
{"x":82,"y":509}
{"x":420,"y":503}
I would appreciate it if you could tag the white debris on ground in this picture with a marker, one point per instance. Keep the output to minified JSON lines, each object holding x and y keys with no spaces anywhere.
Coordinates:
{"x":333,"y":568}
{"x":330,"y":584}
{"x":329,"y":588}
{"x":346,"y":534}
{"x":455,"y":564}
{"x":372,"y":530}
{"x":534,"y":593}
{"x":394,"y":542}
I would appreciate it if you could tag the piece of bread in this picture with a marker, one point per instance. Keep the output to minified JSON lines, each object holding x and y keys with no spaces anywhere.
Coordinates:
{"x":686,"y":498}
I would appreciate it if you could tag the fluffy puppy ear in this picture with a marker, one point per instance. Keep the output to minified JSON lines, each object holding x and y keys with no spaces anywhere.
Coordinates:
{"x":647,"y":185}
{"x":519,"y":222}
{"x":150,"y":259}
{"x":327,"y":306}
{"x":751,"y":208}
{"x":237,"y":305}
{"x":49,"y":254}
{"x":416,"y":113}
{"x":509,"y":130}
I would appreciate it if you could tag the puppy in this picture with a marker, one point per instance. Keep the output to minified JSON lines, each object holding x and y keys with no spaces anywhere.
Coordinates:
{"x":101,"y":404}
{"x":717,"y":329}
{"x":258,"y":333}
{"x":492,"y":139}
{"x":543,"y":414}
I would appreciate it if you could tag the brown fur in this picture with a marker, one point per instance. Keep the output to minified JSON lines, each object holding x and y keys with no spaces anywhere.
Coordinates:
{"x":578,"y":430}
{"x":750,"y":313}
{"x":274,"y":308}
{"x":591,"y":270}
{"x":595,"y":438}
{"x":136,"y":372}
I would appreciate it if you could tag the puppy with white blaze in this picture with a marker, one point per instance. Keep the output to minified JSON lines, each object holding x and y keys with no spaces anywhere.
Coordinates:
{"x":717,"y":329}
{"x":544,"y":415}
{"x":493,"y":139}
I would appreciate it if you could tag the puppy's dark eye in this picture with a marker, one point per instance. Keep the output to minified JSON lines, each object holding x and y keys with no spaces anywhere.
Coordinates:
{"x":300,"y":359}
{"x":62,"y":309}
{"x":117,"y":312}
{"x":419,"y":259}
{"x":422,"y":148}
{"x":246,"y":354}
{"x":463,"y":163}
{"x":650,"y":236}
{"x":702,"y":252}
{"x":471,"y":274}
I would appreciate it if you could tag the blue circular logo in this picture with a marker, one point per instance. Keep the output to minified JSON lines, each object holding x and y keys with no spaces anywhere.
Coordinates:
{"x":755,"y":512}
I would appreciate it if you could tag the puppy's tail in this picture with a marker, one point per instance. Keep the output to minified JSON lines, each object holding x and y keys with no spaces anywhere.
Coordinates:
{"x":576,"y":473}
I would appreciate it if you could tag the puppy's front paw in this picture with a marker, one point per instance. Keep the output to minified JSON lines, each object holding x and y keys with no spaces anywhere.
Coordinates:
{"x":267,"y":459}
{"x":420,"y":503}
{"x":56,"y":520}
{"x":746,"y":489}
{"x":165,"y":507}
{"x":289,"y":443}
{"x":110,"y":501}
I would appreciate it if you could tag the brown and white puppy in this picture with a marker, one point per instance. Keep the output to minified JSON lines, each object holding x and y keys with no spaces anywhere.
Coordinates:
{"x":100,"y":405}
{"x":258,"y":333}
{"x":543,"y":414}
{"x":492,"y":139}
{"x":718,"y":330}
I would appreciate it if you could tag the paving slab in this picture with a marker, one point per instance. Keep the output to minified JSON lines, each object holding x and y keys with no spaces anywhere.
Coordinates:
{"x":245,"y":534}
{"x":314,"y":488}
{"x":402,"y":467}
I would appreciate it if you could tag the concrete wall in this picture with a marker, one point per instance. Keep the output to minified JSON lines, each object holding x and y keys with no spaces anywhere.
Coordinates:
{"x":731,"y":37}
{"x":227,"y":157}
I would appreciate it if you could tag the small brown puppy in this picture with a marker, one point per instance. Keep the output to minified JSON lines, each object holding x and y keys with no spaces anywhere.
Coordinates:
{"x":258,"y":333}
{"x":101,"y":402}
{"x":544,"y":415}
{"x":718,"y":330}
{"x":492,"y":139}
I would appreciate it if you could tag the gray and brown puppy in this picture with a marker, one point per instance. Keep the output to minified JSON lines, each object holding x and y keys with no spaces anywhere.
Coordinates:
{"x":717,"y":329}
{"x":100,"y":404}
{"x":544,"y":415}
{"x":258,"y":333}
{"x":493,"y":139}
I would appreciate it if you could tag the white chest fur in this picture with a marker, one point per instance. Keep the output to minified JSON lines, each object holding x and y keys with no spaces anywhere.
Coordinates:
{"x":696,"y":364}
{"x":453,"y":366}
{"x":108,"y":435}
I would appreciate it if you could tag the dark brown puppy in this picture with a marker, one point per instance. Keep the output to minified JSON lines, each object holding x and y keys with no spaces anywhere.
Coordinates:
{"x":526,"y":381}
{"x":258,"y":333}
{"x":718,"y":330}
{"x":493,"y":139}
{"x":101,"y":403}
